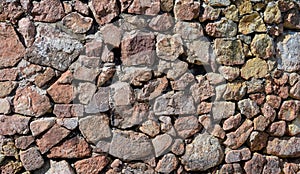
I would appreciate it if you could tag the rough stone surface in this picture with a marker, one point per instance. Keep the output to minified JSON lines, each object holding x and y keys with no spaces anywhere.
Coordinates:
{"x":92,"y":165}
{"x":203,"y":153}
{"x":77,"y":23}
{"x":15,"y":124}
{"x":47,"y":11}
{"x":222,"y":28}
{"x":255,"y":67}
{"x":256,"y":164}
{"x":60,"y":167}
{"x":248,"y":108}
{"x":238,"y":155}
{"x":148,"y":7}
{"x":284,"y":147}
{"x":4,"y":106}
{"x":289,"y":110}
{"x":262,"y":46}
{"x":104,"y":11}
{"x":186,"y":9}
{"x":251,"y":23}
{"x":31,"y":159}
{"x":187,"y":126}
{"x":40,"y":125}
{"x":162,"y":144}
{"x":167,"y":164}
{"x":169,"y":47}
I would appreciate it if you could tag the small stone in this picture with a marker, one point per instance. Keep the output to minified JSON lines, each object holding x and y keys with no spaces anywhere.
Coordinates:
{"x":291,"y":19}
{"x":62,"y":92}
{"x":6,"y":88}
{"x":134,"y":52}
{"x":81,"y":7}
{"x":186,"y":9}
{"x":229,"y":51}
{"x":272,"y":13}
{"x":4,"y":106}
{"x":232,"y":122}
{"x":162,"y":144}
{"x":188,"y":30}
{"x":150,"y":127}
{"x":47,"y":11}
{"x":153,"y":89}
{"x":255,"y":67}
{"x":10,"y":11}
{"x":12,"y":50}
{"x":222,"y":110}
{"x":199,"y":51}
{"x":149,"y":7}
{"x":77,"y":23}
{"x":232,"y":13}
{"x":261,"y":123}
{"x":68,"y":110}
{"x":42,"y":79}
{"x":24,"y":142}
{"x":129,"y":145}
{"x":52,"y":137}
{"x":255,"y":86}
{"x":14,"y":124}
{"x":167,"y":164}
{"x":198,"y":154}
{"x":93,"y":165}
{"x":162,"y":22}
{"x":106,"y":74}
{"x":60,"y":167}
{"x":251,"y":23}
{"x":187,"y":126}
{"x":202,"y":91}
{"x":218,"y":3}
{"x":238,"y":138}
{"x":258,"y":140}
{"x":204,"y":108}
{"x":229,"y":73}
{"x":289,"y":110}
{"x":88,"y":126}
{"x":104,"y":11}
{"x":41,"y":125}
{"x":102,"y":146}
{"x":277,"y":128}
{"x":294,"y":91}
{"x":69,"y":123}
{"x":294,"y":127}
{"x":287,"y":52}
{"x":231,"y":168}
{"x":262,"y":46}
{"x":8,"y":74}
{"x":222,"y":28}
{"x":259,"y":98}
{"x":248,"y":108}
{"x":11,"y":167}
{"x":256,"y":164}
{"x":31,"y":159}
{"x":242,"y":154}
{"x":27,"y":29}
{"x":121,"y":94}
{"x":284,"y":147}
{"x":178,"y":147}
{"x":183,"y":82}
{"x":235,"y":91}
{"x":67,"y":6}
{"x":273,"y":165}
{"x":169,"y":47}
{"x":210,"y":13}
{"x":166,"y":5}
{"x":269,"y":112}
{"x":75,"y":147}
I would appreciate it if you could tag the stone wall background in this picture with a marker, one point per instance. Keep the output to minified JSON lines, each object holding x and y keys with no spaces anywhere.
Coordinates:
{"x":149,"y":86}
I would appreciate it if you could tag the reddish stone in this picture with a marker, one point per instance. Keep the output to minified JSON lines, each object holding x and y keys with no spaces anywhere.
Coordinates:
{"x":204,"y":108}
{"x":289,"y":110}
{"x":77,"y":23}
{"x":75,"y":147}
{"x":10,"y":74}
{"x":277,"y":129}
{"x":186,"y":9}
{"x":167,"y":164}
{"x":148,"y":7}
{"x":104,"y":10}
{"x":178,"y":147}
{"x":15,"y":124}
{"x":259,"y":98}
{"x":28,"y":101}
{"x":6,"y":88}
{"x":273,"y":165}
{"x":257,"y":140}
{"x":51,"y":138}
{"x":269,"y":112}
{"x":238,"y":155}
{"x":42,"y":79}
{"x":291,"y":19}
{"x":27,"y":29}
{"x":261,"y":122}
{"x":11,"y":167}
{"x":284,"y":147}
{"x":47,"y":11}
{"x":232,"y":122}
{"x":93,"y":165}
{"x":10,"y":10}
{"x":111,"y":35}
{"x":187,"y":126}
{"x":31,"y":159}
{"x":162,"y":22}
{"x":274,"y":101}
{"x":24,"y":142}
{"x":68,"y":110}
{"x":40,"y":125}
{"x":81,"y":7}
{"x":255,"y":165}
{"x":11,"y":49}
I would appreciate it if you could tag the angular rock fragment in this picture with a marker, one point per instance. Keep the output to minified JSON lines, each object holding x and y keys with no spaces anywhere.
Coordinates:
{"x":248,"y":108}
{"x":10,"y":10}
{"x":77,"y":23}
{"x":162,"y":144}
{"x":284,"y":147}
{"x":68,"y":110}
{"x":238,"y":155}
{"x":187,"y":126}
{"x":24,"y":142}
{"x":40,"y":125}
{"x":188,"y":30}
{"x":148,"y":7}
{"x":277,"y":129}
{"x":104,"y":11}
{"x":31,"y":159}
{"x":162,"y":22}
{"x":93,"y":165}
{"x":255,"y":67}
{"x":256,"y":164}
{"x":167,"y":164}
{"x":221,"y":110}
{"x":258,"y":140}
{"x":272,"y":165}
{"x":251,"y":23}
{"x":60,"y":167}
{"x":150,"y":127}
{"x":111,"y":35}
{"x":4,"y":106}
{"x":15,"y":124}
{"x":222,"y":28}
{"x":262,"y":46}
{"x":27,"y":29}
{"x":218,"y":3}
{"x":272,"y":13}
{"x":289,"y":110}
{"x":47,"y":11}
{"x":235,"y":91}
{"x":200,"y":51}
{"x":186,"y":9}
{"x":169,"y":47}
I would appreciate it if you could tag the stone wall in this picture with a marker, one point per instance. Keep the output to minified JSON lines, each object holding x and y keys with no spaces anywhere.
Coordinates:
{"x":149,"y":86}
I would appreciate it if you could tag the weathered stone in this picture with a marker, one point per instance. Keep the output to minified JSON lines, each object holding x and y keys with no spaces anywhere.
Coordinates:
{"x":47,"y":11}
{"x":102,"y":147}
{"x":135,"y":52}
{"x":104,"y":11}
{"x":166,"y":5}
{"x":67,"y":6}
{"x":232,"y":122}
{"x":95,"y":128}
{"x":210,"y":13}
{"x":8,"y":74}
{"x":204,"y":108}
{"x":272,"y":13}
{"x":69,"y":123}
{"x":24,"y":142}
{"x":85,"y":92}
{"x":169,"y":47}
{"x":251,"y":23}
{"x":235,"y":91}
{"x":181,"y":104}
{"x":111,"y":35}
{"x":183,"y":82}
{"x":27,"y":29}
{"x":248,"y":108}
{"x":129,"y":145}
{"x":60,"y":167}
{"x":256,"y":164}
{"x":269,"y":112}
{"x":231,"y":168}
{"x":150,"y":127}
{"x":162,"y":22}
{"x":272,"y":165}
{"x":121,"y":94}
{"x":31,"y":159}
{"x":187,"y":126}
{"x":289,"y":110}
{"x":262,"y":46}
{"x":186,"y":9}
{"x":68,"y":110}
{"x":52,"y":137}
{"x":41,"y":125}
{"x":167,"y":164}
{"x":284,"y":147}
{"x":288,"y":52}
{"x":198,"y":154}
{"x":232,"y":13}
{"x":291,"y":19}
{"x":11,"y":49}
{"x":218,"y":3}
{"x":149,"y":7}
{"x":229,"y":73}
{"x":77,"y":23}
{"x":4,"y":106}
{"x":81,"y":7}
{"x":75,"y":147}
{"x":62,"y":91}
{"x":93,"y":165}
{"x":86,"y":68}
{"x":255,"y":67}
{"x":11,"y":167}
{"x":15,"y":124}
{"x":136,"y":76}
{"x":106,"y":74}
{"x":178,"y":147}
{"x":261,"y":122}
{"x":42,"y":79}
{"x":238,"y":138}
{"x":258,"y":140}
{"x":188,"y":30}
{"x":222,"y":28}
{"x":10,"y":10}
{"x":139,"y":167}
{"x":229,"y":51}
{"x":233,"y":156}
{"x":255,"y":86}
{"x":294,"y":127}
{"x":295,"y":91}
{"x":212,"y":126}
{"x":202,"y":91}
{"x":277,"y":129}
{"x":259,"y":98}
{"x":162,"y":144}
{"x":199,"y":51}
{"x":244,"y":7}
{"x":153,"y":89}
{"x":222,"y":110}
{"x":99,"y":101}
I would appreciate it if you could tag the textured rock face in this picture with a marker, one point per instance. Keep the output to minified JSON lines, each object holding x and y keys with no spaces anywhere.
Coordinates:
{"x":203,"y":153}
{"x":91,"y":165}
{"x":186,"y":9}
{"x":14,"y":124}
{"x":148,"y":7}
{"x":77,"y":23}
{"x":31,"y":159}
{"x":47,"y":11}
{"x":53,"y":48}
{"x":251,"y":23}
{"x":104,"y":11}
{"x":284,"y":147}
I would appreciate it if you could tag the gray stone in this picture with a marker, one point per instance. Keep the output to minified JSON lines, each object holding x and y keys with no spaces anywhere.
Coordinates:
{"x":248,"y":107}
{"x":162,"y":144}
